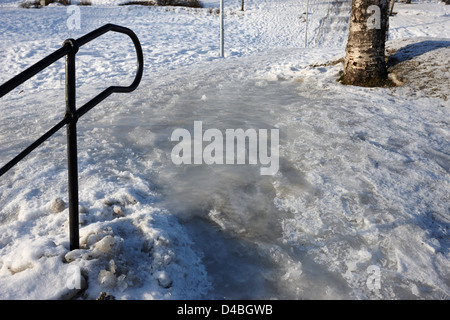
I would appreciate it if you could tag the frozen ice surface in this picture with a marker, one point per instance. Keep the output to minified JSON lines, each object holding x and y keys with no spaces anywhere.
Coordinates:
{"x":358,"y":209}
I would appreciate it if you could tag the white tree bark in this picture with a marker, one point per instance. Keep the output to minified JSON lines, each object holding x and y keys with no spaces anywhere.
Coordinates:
{"x":365,"y":63}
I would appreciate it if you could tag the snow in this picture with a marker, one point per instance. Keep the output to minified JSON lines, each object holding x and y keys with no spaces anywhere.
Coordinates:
{"x":359,"y":208}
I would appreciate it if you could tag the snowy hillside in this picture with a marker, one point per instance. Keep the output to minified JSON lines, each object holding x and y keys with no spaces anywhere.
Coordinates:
{"x":359,"y":207}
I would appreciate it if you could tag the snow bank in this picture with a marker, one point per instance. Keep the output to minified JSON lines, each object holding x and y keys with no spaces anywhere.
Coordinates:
{"x":359,"y":208}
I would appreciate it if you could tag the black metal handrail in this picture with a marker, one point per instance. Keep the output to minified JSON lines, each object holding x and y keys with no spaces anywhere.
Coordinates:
{"x":69,"y":49}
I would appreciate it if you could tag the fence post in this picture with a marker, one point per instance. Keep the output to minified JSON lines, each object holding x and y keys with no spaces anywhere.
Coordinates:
{"x":72,"y":161}
{"x":306,"y":26}
{"x":221,"y":29}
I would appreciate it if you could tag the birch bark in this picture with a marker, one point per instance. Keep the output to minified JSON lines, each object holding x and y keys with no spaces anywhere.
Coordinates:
{"x":365,"y":63}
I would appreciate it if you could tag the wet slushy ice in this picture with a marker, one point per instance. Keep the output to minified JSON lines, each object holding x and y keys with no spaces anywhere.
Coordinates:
{"x":254,"y":245}
{"x":229,"y":209}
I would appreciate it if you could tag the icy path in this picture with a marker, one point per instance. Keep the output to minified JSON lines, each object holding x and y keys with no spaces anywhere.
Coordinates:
{"x":279,"y":22}
{"x":341,"y":203}
{"x":284,"y":23}
{"x":362,"y":190}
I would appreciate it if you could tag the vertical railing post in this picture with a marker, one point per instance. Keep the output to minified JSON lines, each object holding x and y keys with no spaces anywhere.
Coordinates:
{"x":72,"y":161}
{"x":306,"y":26}
{"x":221,"y":29}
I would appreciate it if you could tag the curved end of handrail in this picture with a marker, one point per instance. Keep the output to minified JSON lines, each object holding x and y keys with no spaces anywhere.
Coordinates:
{"x":137,"y":45}
{"x":139,"y":56}
{"x":112,"y":89}
{"x":140,"y":62}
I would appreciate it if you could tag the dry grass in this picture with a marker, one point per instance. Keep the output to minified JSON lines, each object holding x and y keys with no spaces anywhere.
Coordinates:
{"x":85,"y":3}
{"x":175,"y":3}
{"x":39,"y":4}
{"x":423,"y":67}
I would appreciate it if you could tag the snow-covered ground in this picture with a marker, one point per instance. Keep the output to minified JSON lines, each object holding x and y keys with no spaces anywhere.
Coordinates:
{"x":359,"y":208}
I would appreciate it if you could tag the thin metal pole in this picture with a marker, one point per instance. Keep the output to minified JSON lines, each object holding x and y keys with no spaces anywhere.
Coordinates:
{"x":242,"y":5}
{"x":306,"y":28}
{"x":72,"y":161}
{"x":221,"y":29}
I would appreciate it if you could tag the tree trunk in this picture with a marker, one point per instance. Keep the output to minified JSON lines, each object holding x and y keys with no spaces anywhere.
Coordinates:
{"x":365,"y":63}
{"x":391,"y":7}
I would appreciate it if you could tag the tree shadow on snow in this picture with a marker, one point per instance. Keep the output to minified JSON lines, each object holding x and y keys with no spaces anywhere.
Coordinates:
{"x":416,"y":49}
